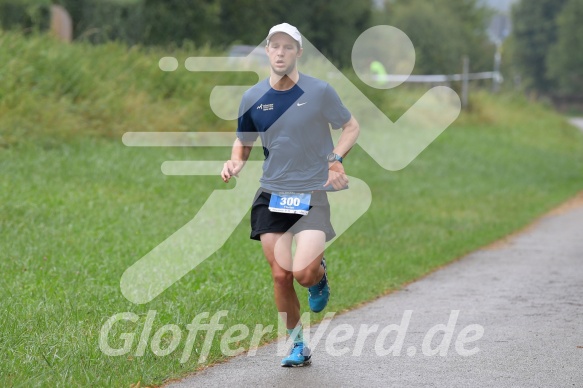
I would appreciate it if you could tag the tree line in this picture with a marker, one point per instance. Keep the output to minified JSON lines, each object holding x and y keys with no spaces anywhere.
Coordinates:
{"x":331,"y":25}
{"x":546,"y":47}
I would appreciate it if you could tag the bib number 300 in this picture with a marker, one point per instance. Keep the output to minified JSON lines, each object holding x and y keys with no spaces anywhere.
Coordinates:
{"x":295,"y":203}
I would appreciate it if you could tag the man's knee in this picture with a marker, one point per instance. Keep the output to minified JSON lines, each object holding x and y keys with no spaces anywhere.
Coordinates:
{"x":282,"y":278}
{"x":306,"y":277}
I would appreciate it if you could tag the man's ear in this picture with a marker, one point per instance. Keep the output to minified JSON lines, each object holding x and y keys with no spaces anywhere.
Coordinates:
{"x":300,"y":52}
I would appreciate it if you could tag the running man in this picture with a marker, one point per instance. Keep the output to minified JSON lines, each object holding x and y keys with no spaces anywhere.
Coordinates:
{"x":292,"y":114}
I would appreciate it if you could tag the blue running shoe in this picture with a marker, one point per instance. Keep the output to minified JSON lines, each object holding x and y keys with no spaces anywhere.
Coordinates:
{"x":299,"y":355}
{"x":319,"y":294}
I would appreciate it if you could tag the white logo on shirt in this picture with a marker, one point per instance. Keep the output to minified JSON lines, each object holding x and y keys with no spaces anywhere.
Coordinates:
{"x":303,"y":103}
{"x":265,"y":107}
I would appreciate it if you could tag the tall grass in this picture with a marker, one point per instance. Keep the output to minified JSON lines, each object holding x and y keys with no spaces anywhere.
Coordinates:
{"x":51,"y":90}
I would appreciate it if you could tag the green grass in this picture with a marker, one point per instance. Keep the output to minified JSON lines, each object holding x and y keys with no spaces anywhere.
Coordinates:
{"x":52,"y":91}
{"x":77,"y":208}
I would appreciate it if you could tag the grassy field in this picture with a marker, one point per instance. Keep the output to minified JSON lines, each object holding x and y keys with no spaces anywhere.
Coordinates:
{"x":77,"y":208}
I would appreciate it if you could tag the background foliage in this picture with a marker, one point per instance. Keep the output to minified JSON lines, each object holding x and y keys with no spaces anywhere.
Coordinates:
{"x":443,"y":32}
{"x":535,"y":31}
{"x":331,"y":25}
{"x":549,"y":45}
{"x":545,"y":50}
{"x":565,"y":58}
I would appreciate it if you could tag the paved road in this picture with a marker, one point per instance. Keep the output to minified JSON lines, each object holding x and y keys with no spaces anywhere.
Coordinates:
{"x":578,"y":122}
{"x":514,"y":309}
{"x":524,"y":296}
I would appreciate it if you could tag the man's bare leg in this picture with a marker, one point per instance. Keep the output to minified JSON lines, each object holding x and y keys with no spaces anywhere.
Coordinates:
{"x":279,"y":258}
{"x":310,"y":245}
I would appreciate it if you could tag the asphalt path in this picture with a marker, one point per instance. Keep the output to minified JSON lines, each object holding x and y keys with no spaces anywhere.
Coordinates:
{"x":507,"y":315}
{"x":578,"y":122}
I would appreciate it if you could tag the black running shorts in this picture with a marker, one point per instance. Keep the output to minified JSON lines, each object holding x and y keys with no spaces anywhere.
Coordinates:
{"x":265,"y":221}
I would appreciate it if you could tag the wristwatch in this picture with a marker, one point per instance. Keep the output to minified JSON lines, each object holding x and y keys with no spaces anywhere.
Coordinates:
{"x":332,"y":157}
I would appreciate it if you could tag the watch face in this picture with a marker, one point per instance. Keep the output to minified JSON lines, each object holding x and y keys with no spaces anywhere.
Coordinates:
{"x":331,"y":157}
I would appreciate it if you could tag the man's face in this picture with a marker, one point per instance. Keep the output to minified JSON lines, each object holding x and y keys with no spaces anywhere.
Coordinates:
{"x":283,"y":53}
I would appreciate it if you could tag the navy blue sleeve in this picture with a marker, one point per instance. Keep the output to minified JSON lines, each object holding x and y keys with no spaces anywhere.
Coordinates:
{"x":246,"y":130}
{"x":333,"y":109}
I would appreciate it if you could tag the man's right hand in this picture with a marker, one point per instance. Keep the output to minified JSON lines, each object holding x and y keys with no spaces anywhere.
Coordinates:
{"x":231,"y":168}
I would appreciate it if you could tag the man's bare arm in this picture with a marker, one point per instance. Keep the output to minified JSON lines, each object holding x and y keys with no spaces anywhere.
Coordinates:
{"x":239,"y":155}
{"x":336,"y":175}
{"x":350,"y":132}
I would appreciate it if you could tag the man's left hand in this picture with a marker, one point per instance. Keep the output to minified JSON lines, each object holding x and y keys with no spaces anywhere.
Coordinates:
{"x":336,"y":176}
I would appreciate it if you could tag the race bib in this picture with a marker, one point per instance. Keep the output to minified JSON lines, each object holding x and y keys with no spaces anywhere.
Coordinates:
{"x":288,"y":202}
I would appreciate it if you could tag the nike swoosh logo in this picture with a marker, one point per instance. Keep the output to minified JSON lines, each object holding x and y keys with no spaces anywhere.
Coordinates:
{"x":303,"y":103}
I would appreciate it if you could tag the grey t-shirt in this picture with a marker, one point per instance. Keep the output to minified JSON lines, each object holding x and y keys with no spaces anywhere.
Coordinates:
{"x":294,"y":126}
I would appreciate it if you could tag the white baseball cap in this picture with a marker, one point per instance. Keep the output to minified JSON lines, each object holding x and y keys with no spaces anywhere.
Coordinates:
{"x":288,"y":29}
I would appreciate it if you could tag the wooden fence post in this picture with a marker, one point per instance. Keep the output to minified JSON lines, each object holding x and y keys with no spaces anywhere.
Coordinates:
{"x":61,"y":23}
{"x":465,"y":81}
